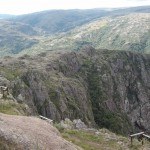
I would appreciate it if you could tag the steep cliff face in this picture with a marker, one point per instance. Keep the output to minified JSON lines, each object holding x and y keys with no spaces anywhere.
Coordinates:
{"x":48,"y":86}
{"x":107,"y":88}
{"x":120,"y":90}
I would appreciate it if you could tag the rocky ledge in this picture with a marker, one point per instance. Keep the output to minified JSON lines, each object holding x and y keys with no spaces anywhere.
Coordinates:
{"x":30,"y":133}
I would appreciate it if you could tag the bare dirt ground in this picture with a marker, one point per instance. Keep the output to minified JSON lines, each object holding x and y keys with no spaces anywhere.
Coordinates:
{"x":30,"y":133}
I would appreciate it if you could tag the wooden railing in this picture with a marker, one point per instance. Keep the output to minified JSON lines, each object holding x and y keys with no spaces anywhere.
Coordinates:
{"x":47,"y":119}
{"x":141,"y":135}
{"x":146,"y":136}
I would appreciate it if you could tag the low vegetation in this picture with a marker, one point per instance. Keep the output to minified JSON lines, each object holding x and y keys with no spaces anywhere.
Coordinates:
{"x":102,"y":140}
{"x":13,"y":108}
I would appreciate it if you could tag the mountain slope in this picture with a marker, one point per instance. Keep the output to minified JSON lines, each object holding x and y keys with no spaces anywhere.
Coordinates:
{"x":6,"y":16}
{"x":129,"y":32}
{"x":123,"y":29}
{"x":56,"y":21}
{"x":15,"y":37}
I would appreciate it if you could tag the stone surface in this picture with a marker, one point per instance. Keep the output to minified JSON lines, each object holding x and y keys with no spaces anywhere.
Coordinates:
{"x":30,"y":133}
{"x":75,"y":124}
{"x":79,"y":124}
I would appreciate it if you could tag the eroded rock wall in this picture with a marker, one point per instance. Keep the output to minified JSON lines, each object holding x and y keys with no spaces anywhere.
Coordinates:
{"x":107,"y":88}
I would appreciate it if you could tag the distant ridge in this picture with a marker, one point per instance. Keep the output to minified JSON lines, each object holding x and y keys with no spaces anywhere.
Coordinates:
{"x":73,"y":29}
{"x":56,"y":21}
{"x":6,"y":16}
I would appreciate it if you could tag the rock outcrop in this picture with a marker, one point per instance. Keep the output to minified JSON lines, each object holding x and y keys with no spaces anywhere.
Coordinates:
{"x":75,"y":124}
{"x":106,"y":88}
{"x":30,"y":133}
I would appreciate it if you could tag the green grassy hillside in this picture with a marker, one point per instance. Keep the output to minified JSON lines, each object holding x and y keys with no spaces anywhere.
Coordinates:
{"x":102,"y":140}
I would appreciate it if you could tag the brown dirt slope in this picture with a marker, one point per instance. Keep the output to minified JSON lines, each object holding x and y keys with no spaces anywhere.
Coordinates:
{"x":30,"y":133}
